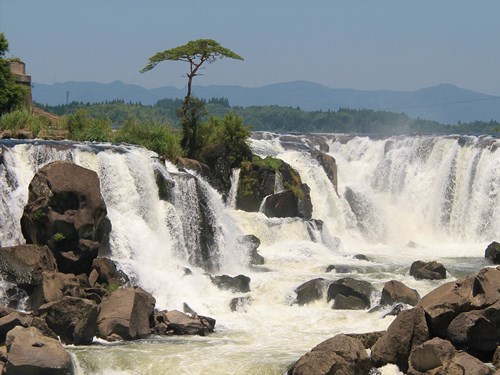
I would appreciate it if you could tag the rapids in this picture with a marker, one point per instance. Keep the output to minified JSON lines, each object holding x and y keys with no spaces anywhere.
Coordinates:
{"x":399,"y":199}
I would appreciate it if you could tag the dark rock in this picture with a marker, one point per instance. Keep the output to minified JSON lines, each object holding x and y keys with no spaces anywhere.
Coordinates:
{"x":407,"y":331}
{"x":183,"y":324}
{"x":236,"y":284}
{"x":200,"y":168}
{"x":395,"y":291}
{"x":15,"y":318}
{"x":73,"y":319}
{"x":367,"y":339}
{"x":66,"y":211}
{"x":496,"y":358}
{"x":42,"y":326}
{"x":256,"y":182}
{"x":492,"y":252}
{"x":29,"y":352}
{"x":330,"y":268}
{"x":446,"y":302}
{"x":54,"y":286}
{"x":329,"y":166}
{"x":240,"y":304}
{"x":343,"y":302}
{"x":463,"y":363}
{"x":360,"y":257}
{"x":105,"y":273}
{"x":24,"y":264}
{"x":252,"y":243}
{"x":345,"y":288}
{"x":310,"y":291}
{"x":125,"y":314}
{"x":428,"y":270}
{"x":340,"y":354}
{"x":477,"y":331}
{"x":431,"y":355}
{"x":289,"y":203}
{"x":395,"y":310}
{"x":217,"y":159}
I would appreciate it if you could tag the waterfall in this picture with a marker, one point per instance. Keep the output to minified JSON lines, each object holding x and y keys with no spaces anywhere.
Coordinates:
{"x":153,"y":240}
{"x":399,"y":189}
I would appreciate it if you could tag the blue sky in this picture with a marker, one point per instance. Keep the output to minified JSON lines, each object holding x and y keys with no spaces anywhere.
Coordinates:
{"x":368,"y":45}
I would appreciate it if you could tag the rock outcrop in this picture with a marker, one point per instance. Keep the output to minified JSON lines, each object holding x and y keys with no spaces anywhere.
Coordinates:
{"x":350,"y":294}
{"x":66,"y":211}
{"x":30,"y":352}
{"x":236,"y":284}
{"x":427,"y":270}
{"x":340,"y":354}
{"x":492,"y":252}
{"x":395,"y":291}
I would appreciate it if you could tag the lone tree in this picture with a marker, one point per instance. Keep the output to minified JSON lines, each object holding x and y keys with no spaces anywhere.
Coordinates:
{"x":196,"y":53}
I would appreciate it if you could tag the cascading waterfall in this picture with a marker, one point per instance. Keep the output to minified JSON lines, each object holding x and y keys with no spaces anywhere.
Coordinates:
{"x":442,"y":193}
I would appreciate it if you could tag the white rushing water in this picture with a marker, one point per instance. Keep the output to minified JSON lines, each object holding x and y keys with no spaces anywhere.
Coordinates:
{"x":442,"y":193}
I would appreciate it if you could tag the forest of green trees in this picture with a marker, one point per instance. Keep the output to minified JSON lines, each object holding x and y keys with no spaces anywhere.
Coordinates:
{"x":280,"y":119}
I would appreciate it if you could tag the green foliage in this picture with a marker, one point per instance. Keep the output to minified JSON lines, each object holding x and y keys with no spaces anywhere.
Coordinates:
{"x":112,"y":287}
{"x":295,"y":189}
{"x":190,"y":113}
{"x":229,"y":131}
{"x":38,"y":214}
{"x":82,"y":127}
{"x":11,"y":94}
{"x":268,"y":161}
{"x":162,"y":139}
{"x":58,"y":237}
{"x":22,"y":119}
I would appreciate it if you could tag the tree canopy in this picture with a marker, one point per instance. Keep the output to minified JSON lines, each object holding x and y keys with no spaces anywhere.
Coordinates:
{"x":196,"y":53}
{"x":11,"y":94}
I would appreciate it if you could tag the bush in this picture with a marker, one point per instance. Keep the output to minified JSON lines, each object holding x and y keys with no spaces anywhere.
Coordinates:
{"x":23,"y":120}
{"x":162,"y":139}
{"x":82,"y":127}
{"x":229,"y":131}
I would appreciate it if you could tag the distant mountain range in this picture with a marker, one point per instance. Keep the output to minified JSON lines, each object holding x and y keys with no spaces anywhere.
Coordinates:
{"x":444,"y":103}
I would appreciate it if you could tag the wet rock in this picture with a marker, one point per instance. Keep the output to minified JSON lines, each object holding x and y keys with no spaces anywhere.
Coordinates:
{"x":66,"y":211}
{"x":217,"y":159}
{"x":200,"y":168}
{"x":73,"y":319}
{"x":24,"y":264}
{"x":428,"y":270}
{"x":329,"y":166}
{"x":492,"y":252}
{"x":289,"y":203}
{"x":183,"y":324}
{"x":446,"y":302}
{"x":310,"y":291}
{"x":29,"y":352}
{"x":350,"y":293}
{"x":395,"y":291}
{"x":407,"y":331}
{"x":240,"y":304}
{"x":252,"y":243}
{"x":125,"y":314}
{"x":340,"y":354}
{"x":236,"y":284}
{"x":360,"y":257}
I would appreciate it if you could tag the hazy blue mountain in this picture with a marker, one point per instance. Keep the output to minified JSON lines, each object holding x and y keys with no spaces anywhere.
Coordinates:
{"x":444,"y":103}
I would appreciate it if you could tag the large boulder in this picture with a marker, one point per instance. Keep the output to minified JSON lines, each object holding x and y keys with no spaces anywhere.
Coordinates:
{"x":255,"y":183}
{"x":252,"y":243}
{"x":492,"y":252}
{"x":427,"y":270}
{"x":289,"y":203}
{"x":446,"y":302}
{"x":66,"y":211}
{"x":408,"y":330}
{"x":31,"y":353}
{"x":24,"y":264}
{"x":477,"y":331}
{"x":432,"y":355}
{"x":125,"y":314}
{"x":395,"y":291}
{"x":73,"y":319}
{"x":350,"y":294}
{"x":340,"y":354}
{"x":54,"y":286}
{"x":310,"y":291}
